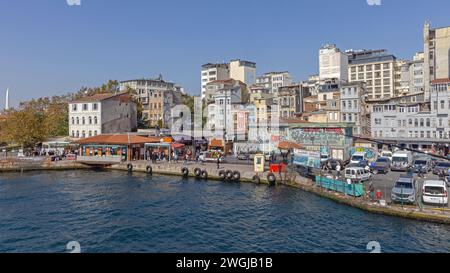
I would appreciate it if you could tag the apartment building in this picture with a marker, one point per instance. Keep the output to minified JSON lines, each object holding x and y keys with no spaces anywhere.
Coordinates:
{"x":274,"y":80}
{"x":353,"y":108}
{"x":333,"y":63}
{"x":290,"y":100}
{"x":412,"y":75}
{"x":378,"y":69}
{"x":157,"y":96}
{"x":102,"y":114}
{"x":436,"y":54}
{"x":213,"y":72}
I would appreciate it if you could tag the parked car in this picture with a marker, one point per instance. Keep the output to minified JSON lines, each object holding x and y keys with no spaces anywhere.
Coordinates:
{"x":211,"y":157}
{"x":441,"y":166}
{"x":423,"y":164}
{"x":401,"y":161}
{"x":404,"y":190}
{"x":334,"y":162}
{"x":357,"y":174}
{"x":381,"y":165}
{"x":435,"y":192}
{"x":243,"y":156}
{"x":324,"y":158}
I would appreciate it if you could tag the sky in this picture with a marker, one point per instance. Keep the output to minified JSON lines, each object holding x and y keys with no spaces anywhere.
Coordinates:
{"x":48,"y":47}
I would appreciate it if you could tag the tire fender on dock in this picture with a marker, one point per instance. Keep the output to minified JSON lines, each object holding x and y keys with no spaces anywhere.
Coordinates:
{"x":204,"y":174}
{"x":229,"y":175}
{"x":130,"y":167}
{"x":256,"y":179}
{"x":236,"y":176}
{"x":271,"y":179}
{"x":185,"y":172}
{"x":197,"y":172}
{"x":149,"y":170}
{"x":222,"y":175}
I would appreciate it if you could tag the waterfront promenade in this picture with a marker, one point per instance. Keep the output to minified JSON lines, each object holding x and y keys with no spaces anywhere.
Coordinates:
{"x":292,"y":179}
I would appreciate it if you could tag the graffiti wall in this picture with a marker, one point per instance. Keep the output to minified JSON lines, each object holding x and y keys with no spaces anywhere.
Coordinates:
{"x":321,"y":136}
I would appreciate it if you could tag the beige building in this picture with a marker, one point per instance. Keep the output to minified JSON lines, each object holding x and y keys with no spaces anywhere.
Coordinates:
{"x":436,"y":55}
{"x":379,"y":70}
{"x":243,"y":71}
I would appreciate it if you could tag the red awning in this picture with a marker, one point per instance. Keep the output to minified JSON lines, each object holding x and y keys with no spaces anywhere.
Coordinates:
{"x":177,"y":145}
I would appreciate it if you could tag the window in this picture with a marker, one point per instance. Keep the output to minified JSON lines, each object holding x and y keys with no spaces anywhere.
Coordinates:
{"x":78,"y":120}
{"x":95,"y":132}
{"x":95,"y":106}
{"x":85,"y":107}
{"x":83,"y":134}
{"x":73,"y":120}
{"x":74,"y":107}
{"x":90,"y":120}
{"x":90,"y":133}
{"x":421,"y":122}
{"x":95,"y":120}
{"x":83,"y":121}
{"x":78,"y":134}
{"x":428,"y":122}
{"x":442,"y":104}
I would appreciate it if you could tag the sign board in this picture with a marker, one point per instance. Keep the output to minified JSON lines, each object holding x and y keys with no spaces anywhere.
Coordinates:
{"x":307,"y":158}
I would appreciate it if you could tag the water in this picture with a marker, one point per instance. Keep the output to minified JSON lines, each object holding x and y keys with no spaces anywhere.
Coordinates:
{"x":120,"y":212}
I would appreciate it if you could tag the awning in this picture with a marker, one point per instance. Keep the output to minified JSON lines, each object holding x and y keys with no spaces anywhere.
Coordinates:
{"x":287,"y":145}
{"x":177,"y":145}
{"x":216,"y":143}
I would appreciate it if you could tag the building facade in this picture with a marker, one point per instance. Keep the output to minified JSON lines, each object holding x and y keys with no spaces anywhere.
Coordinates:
{"x":102,"y":114}
{"x":290,"y":100}
{"x":274,"y":80}
{"x":333,"y":64}
{"x":436,"y":54}
{"x":157,"y":97}
{"x":379,"y":70}
{"x":353,"y":108}
{"x":243,"y":71}
{"x":412,"y":75}
{"x":213,"y":72}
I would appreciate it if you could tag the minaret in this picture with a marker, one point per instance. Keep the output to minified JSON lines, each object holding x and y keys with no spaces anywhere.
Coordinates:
{"x":7,"y":99}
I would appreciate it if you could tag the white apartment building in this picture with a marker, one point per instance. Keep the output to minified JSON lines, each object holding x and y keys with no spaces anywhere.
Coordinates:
{"x":412,"y":75}
{"x":275,"y":80}
{"x":213,"y":72}
{"x":220,"y":113}
{"x":333,"y":64}
{"x":436,"y":54}
{"x":353,"y":107}
{"x":102,"y":114}
{"x":379,"y":70}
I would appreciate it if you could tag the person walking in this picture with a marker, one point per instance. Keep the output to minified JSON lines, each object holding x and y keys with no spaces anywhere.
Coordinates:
{"x":218,"y":161}
{"x":338,"y":171}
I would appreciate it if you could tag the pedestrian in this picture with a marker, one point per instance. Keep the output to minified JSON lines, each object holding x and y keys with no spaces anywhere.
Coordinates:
{"x":280,"y":166}
{"x":218,"y":162}
{"x":338,"y":170}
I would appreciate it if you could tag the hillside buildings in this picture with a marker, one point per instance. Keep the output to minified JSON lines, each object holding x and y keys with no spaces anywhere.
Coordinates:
{"x":157,"y":96}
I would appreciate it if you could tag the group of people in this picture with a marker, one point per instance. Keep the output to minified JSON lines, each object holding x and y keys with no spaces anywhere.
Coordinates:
{"x":155,"y":156}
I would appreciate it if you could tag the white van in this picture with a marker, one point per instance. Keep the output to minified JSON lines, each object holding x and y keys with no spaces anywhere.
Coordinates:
{"x":435,"y":192}
{"x":387,"y":154}
{"x":358,"y":157}
{"x":401,"y":161}
{"x":357,"y":174}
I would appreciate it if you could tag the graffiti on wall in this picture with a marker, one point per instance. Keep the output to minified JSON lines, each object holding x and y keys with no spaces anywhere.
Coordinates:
{"x":320,"y":136}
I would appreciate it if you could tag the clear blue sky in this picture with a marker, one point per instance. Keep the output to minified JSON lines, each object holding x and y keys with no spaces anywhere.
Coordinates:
{"x":48,"y":47}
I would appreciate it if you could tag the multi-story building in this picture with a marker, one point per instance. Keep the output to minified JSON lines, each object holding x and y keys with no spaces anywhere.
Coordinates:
{"x":214,"y":87}
{"x":258,"y":91}
{"x":102,"y":114}
{"x":378,"y":69}
{"x":243,"y":71}
{"x":333,"y":63}
{"x":290,"y":100}
{"x":157,"y":96}
{"x":274,"y":80}
{"x":213,"y":72}
{"x":412,"y":75}
{"x":353,"y":108}
{"x":220,"y":117}
{"x":436,"y":54}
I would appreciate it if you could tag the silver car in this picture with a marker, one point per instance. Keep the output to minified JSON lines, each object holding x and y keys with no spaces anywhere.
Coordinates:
{"x":404,"y":190}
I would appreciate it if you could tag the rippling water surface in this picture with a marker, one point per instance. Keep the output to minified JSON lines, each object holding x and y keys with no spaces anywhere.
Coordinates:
{"x":120,"y":212}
